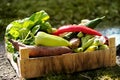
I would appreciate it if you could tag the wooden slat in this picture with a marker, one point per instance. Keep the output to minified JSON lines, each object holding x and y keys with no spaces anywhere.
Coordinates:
{"x":64,"y":63}
{"x":24,"y":53}
{"x":111,"y":42}
{"x":112,"y":51}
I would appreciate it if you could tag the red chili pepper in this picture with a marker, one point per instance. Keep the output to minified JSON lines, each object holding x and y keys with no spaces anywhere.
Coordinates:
{"x":76,"y":28}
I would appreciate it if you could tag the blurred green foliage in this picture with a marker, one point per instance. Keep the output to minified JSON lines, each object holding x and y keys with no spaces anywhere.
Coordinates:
{"x":60,"y":11}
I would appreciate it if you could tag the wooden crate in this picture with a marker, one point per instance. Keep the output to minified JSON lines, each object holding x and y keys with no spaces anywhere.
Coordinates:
{"x":66,"y":63}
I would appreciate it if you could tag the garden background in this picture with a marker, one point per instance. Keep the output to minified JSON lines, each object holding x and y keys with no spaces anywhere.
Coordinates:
{"x":61,"y":11}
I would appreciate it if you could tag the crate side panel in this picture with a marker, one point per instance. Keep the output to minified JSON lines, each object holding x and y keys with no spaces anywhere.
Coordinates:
{"x":113,"y":56}
{"x":31,"y":68}
{"x":67,"y":63}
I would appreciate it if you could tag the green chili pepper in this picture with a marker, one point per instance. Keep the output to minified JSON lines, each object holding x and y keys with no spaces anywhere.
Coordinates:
{"x":93,"y":23}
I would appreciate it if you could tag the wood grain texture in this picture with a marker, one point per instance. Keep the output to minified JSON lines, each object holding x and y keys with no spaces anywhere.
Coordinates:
{"x":66,"y":63}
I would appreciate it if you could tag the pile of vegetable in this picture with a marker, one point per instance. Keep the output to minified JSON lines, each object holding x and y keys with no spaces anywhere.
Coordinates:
{"x":37,"y":34}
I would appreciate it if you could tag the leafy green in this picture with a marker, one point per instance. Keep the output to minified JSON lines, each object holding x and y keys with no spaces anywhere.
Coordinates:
{"x":25,"y":29}
{"x":35,"y":29}
{"x":39,"y":16}
{"x":9,"y":46}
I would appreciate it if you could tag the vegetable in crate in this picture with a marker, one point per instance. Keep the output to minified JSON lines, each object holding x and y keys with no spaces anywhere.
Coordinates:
{"x":85,"y":46}
{"x":98,"y":44}
{"x":94,"y":46}
{"x":92,"y":23}
{"x":24,"y":30}
{"x":89,"y":23}
{"x":85,"y":38}
{"x":104,"y":46}
{"x":40,"y":51}
{"x":75,"y":42}
{"x":76,"y":28}
{"x":91,"y":48}
{"x":45,"y":39}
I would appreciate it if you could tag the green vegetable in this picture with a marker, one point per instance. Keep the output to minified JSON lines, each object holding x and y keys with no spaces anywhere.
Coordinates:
{"x":93,"y":23}
{"x":24,"y":30}
{"x":104,"y":46}
{"x":80,"y":34}
{"x":96,"y":42}
{"x":45,"y":39}
{"x":93,"y":46}
{"x":9,"y":47}
{"x":86,"y":38}
{"x":80,"y":49}
{"x":85,"y":46}
{"x":88,"y":43}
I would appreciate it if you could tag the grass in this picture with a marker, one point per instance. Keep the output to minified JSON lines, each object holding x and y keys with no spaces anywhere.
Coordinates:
{"x":109,"y":73}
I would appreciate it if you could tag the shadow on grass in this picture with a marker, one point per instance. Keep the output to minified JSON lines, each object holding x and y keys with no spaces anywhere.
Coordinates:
{"x":96,"y":74}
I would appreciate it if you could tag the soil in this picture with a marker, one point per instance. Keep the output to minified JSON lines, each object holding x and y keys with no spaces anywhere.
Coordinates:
{"x":6,"y":70}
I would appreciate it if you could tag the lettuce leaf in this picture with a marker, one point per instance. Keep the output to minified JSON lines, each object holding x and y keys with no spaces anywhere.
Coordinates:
{"x":25,"y":29}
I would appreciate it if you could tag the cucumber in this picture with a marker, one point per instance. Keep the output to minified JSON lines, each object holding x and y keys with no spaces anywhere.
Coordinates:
{"x":88,"y":43}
